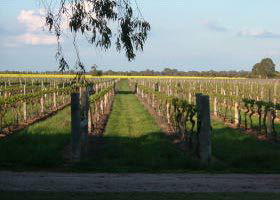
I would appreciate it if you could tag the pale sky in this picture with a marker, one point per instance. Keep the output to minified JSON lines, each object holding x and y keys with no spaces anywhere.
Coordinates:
{"x":186,"y":34}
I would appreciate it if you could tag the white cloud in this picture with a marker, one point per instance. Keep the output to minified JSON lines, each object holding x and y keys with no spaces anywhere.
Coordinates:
{"x":33,"y":20}
{"x":258,"y":34}
{"x":36,"y":39}
{"x":214,"y":26}
{"x":34,"y":34}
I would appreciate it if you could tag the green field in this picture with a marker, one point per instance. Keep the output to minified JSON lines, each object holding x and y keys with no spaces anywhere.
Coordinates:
{"x":133,"y":142}
{"x":39,"y":146}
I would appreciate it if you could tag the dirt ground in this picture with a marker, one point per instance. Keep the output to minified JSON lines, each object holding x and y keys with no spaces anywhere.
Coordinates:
{"x":64,"y":182}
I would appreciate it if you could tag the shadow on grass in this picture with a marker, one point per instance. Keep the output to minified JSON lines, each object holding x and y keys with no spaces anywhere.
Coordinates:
{"x":125,"y":92}
{"x":32,"y":150}
{"x":232,"y":153}
{"x":152,"y":152}
{"x":244,"y":153}
{"x":42,"y":147}
{"x":38,"y":146}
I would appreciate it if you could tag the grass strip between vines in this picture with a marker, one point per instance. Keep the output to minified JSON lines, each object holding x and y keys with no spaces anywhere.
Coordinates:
{"x":133,"y":142}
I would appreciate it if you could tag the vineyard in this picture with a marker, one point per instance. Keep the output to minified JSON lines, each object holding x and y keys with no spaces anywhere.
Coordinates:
{"x":140,"y":124}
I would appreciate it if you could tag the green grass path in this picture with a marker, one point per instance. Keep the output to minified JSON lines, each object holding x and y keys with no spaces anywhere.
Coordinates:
{"x":133,"y":141}
{"x":38,"y":146}
{"x":129,"y":118}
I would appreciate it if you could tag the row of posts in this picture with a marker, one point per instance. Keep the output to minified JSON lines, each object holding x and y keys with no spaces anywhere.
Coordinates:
{"x":81,"y":118}
{"x":237,"y":116}
{"x":204,"y":146}
{"x":79,"y":122}
{"x":42,"y":101}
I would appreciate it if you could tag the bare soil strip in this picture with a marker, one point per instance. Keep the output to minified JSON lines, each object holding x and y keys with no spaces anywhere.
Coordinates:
{"x":62,"y":182}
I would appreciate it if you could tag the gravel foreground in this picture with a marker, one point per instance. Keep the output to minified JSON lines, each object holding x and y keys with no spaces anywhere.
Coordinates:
{"x":104,"y":182}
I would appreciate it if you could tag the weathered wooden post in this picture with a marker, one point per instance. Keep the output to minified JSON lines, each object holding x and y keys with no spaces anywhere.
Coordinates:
{"x":42,"y":104}
{"x":102,"y":106}
{"x":5,"y":93}
{"x":54,"y":100}
{"x":75,"y":127}
{"x":168,"y":107}
{"x":269,"y":125}
{"x":204,"y":133}
{"x":190,"y":97}
{"x":89,"y":121}
{"x":84,"y":118}
{"x":269,"y":119}
{"x":63,"y":96}
{"x":215,"y":107}
{"x":24,"y":105}
{"x":236,"y":114}
{"x":197,"y":102}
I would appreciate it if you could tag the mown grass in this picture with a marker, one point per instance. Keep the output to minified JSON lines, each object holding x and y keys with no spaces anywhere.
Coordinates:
{"x":133,"y":142}
{"x":137,"y":196}
{"x":38,"y":146}
{"x":244,"y":153}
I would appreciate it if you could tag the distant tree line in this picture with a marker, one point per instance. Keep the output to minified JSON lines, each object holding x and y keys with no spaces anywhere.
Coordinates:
{"x":175,"y":72}
{"x":263,"y":69}
{"x":148,"y":72}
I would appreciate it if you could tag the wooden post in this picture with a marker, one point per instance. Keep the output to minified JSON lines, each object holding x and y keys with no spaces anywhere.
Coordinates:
{"x":168,"y":105}
{"x":89,"y":121}
{"x":197,"y":97}
{"x":90,"y":91}
{"x":190,"y":97}
{"x":75,"y":127}
{"x":215,"y":107}
{"x":269,"y":120}
{"x":5,"y":93}
{"x":63,"y":96}
{"x":84,"y":118}
{"x":24,"y":105}
{"x":54,"y":100}
{"x":42,"y":104}
{"x":204,"y":133}
{"x":269,"y":125}
{"x":102,"y":106}
{"x":236,"y":114}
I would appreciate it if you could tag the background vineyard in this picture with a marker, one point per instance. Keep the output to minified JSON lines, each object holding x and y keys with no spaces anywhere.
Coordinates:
{"x":244,"y":121}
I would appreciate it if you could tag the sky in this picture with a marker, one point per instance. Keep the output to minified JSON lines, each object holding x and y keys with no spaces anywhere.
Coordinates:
{"x":186,"y":34}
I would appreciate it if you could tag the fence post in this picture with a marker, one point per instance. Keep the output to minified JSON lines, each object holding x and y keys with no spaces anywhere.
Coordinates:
{"x":190,"y":97}
{"x":63,"y":96}
{"x":42,"y":104}
{"x":197,"y":97}
{"x":204,"y":134}
{"x":236,"y":114}
{"x":269,"y":119}
{"x":269,"y":125}
{"x":86,"y":117}
{"x":75,"y":127}
{"x":215,"y":107}
{"x":168,"y":106}
{"x":24,"y":105}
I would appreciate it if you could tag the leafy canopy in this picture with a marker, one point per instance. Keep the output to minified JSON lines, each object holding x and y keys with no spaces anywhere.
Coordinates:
{"x":264,"y":69}
{"x":101,"y":22}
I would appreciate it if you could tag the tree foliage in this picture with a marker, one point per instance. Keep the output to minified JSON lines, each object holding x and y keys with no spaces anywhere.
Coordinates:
{"x":264,"y":69}
{"x":95,"y":72}
{"x":102,"y":22}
